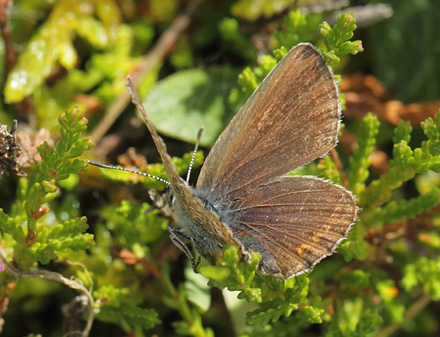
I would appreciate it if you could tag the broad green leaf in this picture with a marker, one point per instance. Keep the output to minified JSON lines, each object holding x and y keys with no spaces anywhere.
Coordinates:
{"x":199,"y":293}
{"x":182,"y":103}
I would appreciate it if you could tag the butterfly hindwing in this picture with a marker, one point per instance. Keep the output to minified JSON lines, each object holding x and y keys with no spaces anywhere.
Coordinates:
{"x":294,"y":222}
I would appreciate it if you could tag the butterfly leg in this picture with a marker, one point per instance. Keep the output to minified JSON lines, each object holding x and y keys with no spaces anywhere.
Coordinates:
{"x":179,"y":238}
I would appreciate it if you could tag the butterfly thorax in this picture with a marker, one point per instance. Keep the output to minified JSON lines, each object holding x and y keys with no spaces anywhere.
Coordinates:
{"x":222,"y":206}
{"x":208,"y":234}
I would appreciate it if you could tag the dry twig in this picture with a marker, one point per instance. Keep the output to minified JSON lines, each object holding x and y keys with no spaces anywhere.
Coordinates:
{"x":49,"y":275}
{"x":158,"y":52}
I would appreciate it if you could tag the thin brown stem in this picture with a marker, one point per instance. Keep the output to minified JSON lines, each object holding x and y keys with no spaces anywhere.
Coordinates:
{"x":412,"y":312}
{"x":158,"y":53}
{"x":49,"y":275}
{"x":25,"y":108}
{"x":5,"y":29}
{"x":335,"y":157}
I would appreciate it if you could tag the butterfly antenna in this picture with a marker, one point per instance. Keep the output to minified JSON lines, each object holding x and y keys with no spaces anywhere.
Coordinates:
{"x":191,"y":163}
{"x":101,"y":165}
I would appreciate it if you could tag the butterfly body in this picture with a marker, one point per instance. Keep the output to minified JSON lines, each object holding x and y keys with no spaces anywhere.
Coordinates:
{"x":207,"y":233}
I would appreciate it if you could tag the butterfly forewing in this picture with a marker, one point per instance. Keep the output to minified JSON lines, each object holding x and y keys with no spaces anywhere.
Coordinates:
{"x":290,"y":120}
{"x":294,"y":222}
{"x":190,"y":211}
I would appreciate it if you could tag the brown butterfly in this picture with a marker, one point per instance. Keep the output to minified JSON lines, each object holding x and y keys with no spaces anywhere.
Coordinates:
{"x":242,"y":197}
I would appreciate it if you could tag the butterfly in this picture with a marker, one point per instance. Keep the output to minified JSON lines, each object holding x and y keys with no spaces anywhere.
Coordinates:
{"x":243,"y":196}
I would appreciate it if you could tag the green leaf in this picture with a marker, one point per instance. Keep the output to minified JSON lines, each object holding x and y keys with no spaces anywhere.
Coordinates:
{"x":135,"y":224}
{"x":197,"y":289}
{"x":432,"y":131}
{"x":251,"y":9}
{"x":388,"y":293}
{"x":178,"y":299}
{"x":404,"y":209}
{"x":337,"y":39}
{"x":61,"y":238}
{"x":54,"y":43}
{"x":182,"y":103}
{"x":402,"y":132}
{"x":230,"y":30}
{"x":215,"y":273}
{"x":356,"y":278}
{"x":242,"y":273}
{"x":11,"y":227}
{"x":360,"y":160}
{"x":298,"y":28}
{"x":116,"y":306}
{"x":354,"y":319}
{"x":424,"y":273}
